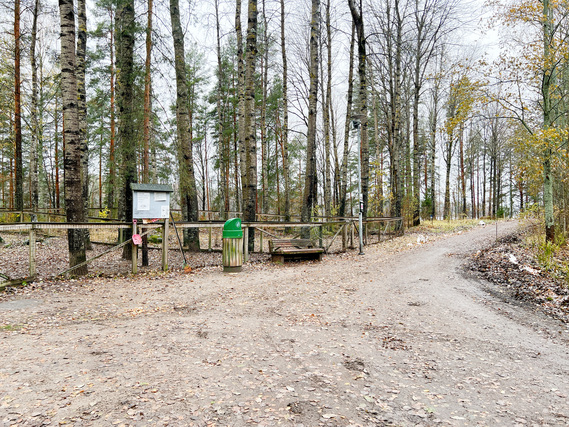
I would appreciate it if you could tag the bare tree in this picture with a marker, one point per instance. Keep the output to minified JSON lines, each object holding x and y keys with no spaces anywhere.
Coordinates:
{"x":432,"y":23}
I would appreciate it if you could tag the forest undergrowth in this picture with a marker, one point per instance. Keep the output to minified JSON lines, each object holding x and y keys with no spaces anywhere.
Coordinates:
{"x":525,"y":268}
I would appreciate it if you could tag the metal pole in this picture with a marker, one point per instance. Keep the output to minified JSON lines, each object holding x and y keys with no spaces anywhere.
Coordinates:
{"x":356,"y":124}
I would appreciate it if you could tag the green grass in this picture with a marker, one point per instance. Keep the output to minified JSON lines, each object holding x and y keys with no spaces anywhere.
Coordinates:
{"x":452,"y":226}
{"x":552,"y":257}
{"x":10,"y":328}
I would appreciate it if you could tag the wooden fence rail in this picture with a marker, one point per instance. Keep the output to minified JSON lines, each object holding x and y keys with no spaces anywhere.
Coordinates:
{"x":346,"y":226}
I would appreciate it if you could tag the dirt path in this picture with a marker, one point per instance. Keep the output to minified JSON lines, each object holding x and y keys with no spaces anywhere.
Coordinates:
{"x":400,"y":339}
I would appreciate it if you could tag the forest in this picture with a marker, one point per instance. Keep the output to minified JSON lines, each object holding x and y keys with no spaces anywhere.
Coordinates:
{"x":286,"y":110}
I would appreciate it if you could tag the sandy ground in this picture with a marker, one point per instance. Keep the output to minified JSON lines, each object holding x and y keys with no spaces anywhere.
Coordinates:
{"x":389,"y":338}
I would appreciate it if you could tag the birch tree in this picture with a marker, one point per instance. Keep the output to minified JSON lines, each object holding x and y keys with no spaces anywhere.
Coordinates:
{"x":74,"y":207}
{"x":310,"y":179}
{"x":357,"y":12}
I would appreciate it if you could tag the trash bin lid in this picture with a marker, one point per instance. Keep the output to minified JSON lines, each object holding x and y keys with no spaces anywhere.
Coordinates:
{"x":232,"y":229}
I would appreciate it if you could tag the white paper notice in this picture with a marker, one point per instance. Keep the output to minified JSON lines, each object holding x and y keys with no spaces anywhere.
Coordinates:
{"x":143,"y":202}
{"x":160,"y":197}
{"x":164,"y":212}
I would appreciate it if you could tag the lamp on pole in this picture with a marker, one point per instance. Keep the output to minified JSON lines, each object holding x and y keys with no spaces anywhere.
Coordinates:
{"x":356,"y":123}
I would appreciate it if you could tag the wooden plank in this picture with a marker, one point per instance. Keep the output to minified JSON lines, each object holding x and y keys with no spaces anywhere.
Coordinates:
{"x":297,"y":249}
{"x":14,"y":283}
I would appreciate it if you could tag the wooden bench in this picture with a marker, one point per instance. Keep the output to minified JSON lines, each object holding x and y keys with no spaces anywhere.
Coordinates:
{"x":293,"y":249}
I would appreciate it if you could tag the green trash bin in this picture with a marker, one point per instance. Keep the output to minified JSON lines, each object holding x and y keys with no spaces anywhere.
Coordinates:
{"x":232,"y":245}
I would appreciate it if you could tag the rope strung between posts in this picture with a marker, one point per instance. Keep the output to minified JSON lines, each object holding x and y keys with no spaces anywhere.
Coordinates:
{"x":101,"y":254}
{"x":179,"y":241}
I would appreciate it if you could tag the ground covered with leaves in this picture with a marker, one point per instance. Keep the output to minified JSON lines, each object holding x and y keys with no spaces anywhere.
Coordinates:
{"x":399,"y":336}
{"x":521,"y":272}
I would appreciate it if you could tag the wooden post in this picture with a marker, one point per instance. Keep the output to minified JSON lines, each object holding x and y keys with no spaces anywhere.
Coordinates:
{"x":344,"y":236}
{"x":261,"y":240}
{"x":246,"y":244}
{"x":209,"y":239}
{"x":165,"y":246}
{"x":320,"y":235}
{"x":134,"y":250}
{"x":32,"y":252}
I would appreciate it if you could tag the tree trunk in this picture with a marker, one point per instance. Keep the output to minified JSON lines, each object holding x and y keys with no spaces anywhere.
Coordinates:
{"x":363,"y":113}
{"x":222,"y":140}
{"x":34,"y":192}
{"x":378,"y":150}
{"x":82,"y":109}
{"x":335,"y":147}
{"x":250,"y":201}
{"x":72,"y":157}
{"x":56,"y":159}
{"x":264,"y":134}
{"x":240,"y":106}
{"x":548,"y":82}
{"x":432,"y":160}
{"x":446,"y":208}
{"x":397,"y":109}
{"x":146,"y":119}
{"x":111,"y":180}
{"x":188,"y":191}
{"x":19,"y":174}
{"x":346,"y":152}
{"x":484,"y":182}
{"x":310,"y":179}
{"x":147,"y":93}
{"x":125,"y":28}
{"x":326,"y":115}
{"x":286,"y":174}
{"x":462,"y":172}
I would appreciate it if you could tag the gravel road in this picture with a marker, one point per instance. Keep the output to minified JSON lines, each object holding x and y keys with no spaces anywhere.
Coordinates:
{"x":400,"y":336}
